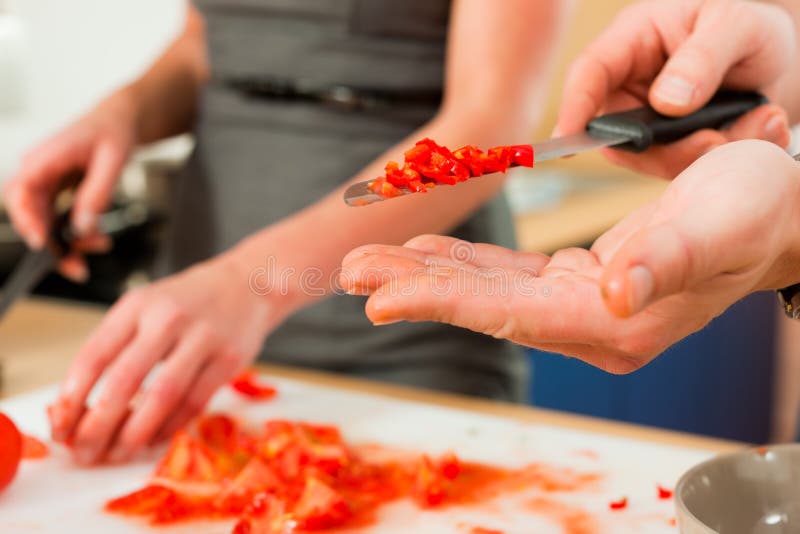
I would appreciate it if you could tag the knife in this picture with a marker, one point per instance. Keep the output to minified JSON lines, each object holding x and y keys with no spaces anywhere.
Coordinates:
{"x":634,"y":130}
{"x":36,"y":264}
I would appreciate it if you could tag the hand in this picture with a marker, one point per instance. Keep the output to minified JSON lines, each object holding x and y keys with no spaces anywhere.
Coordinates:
{"x":726,"y":227}
{"x":674,"y":56}
{"x":203,"y":325}
{"x":99,"y":144}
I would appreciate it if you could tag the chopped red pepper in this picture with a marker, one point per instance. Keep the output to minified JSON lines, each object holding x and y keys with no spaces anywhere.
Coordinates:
{"x":248,"y":385}
{"x":664,"y":493}
{"x":428,"y":163}
{"x":33,"y":448}
{"x":289,"y":476}
{"x":619,"y":505}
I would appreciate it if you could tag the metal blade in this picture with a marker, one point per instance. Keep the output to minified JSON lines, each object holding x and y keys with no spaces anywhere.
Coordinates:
{"x":569,"y":145}
{"x":29,"y":272}
{"x":360,"y":195}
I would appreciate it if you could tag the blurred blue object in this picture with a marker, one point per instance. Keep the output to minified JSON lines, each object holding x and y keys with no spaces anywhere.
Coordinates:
{"x":717,"y":382}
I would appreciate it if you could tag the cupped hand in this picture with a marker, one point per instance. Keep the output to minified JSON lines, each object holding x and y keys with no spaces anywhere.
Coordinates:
{"x":674,"y":56}
{"x":726,"y":227}
{"x":202,"y":326}
{"x":98,"y":144}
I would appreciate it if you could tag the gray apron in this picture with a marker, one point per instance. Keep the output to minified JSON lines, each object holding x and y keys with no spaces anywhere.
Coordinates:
{"x":249,"y":171}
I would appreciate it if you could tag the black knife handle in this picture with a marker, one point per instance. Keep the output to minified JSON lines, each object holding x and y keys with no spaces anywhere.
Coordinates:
{"x":61,"y":235}
{"x":645,"y":126}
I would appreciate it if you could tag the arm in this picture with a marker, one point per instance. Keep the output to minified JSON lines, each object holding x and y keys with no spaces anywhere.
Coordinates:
{"x":206,"y":324}
{"x":159,"y":104}
{"x":498,"y":56}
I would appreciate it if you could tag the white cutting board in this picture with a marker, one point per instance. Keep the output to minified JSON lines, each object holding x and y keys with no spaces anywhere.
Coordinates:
{"x":52,"y":496}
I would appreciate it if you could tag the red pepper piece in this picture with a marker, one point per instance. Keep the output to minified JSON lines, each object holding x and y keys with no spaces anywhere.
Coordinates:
{"x":522,"y":155}
{"x":247,"y":384}
{"x":664,"y":493}
{"x":619,"y":505}
{"x":33,"y":448}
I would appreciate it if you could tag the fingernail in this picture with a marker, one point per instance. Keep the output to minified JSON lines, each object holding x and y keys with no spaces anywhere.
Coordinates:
{"x":775,"y":129}
{"x":640,"y":289}
{"x":675,"y":90}
{"x":384,"y":322}
{"x":84,"y":223}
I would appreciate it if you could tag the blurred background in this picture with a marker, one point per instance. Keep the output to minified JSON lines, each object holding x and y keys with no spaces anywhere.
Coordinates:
{"x":727,"y":381}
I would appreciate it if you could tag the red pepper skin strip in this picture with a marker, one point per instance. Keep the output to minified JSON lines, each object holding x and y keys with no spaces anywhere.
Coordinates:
{"x":664,"y":493}
{"x":247,"y":384}
{"x":619,"y":505}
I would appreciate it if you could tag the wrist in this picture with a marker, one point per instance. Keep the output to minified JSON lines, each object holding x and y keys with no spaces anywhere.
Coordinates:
{"x":264,"y":282}
{"x":788,"y":264}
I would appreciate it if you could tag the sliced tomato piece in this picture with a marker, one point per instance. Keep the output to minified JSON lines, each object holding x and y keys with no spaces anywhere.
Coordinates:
{"x":320,"y":507}
{"x":249,"y":386}
{"x":450,"y":466}
{"x":428,"y":487}
{"x":218,"y":431}
{"x":188,"y":460}
{"x":256,"y":477}
{"x":33,"y":448}
{"x":144,"y":502}
{"x":10,"y":451}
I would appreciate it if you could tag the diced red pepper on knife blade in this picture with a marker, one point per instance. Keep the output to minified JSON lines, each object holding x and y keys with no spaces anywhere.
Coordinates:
{"x":428,"y":164}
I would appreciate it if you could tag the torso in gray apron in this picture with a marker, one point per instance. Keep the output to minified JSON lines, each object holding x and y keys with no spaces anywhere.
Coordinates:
{"x":250,"y":169}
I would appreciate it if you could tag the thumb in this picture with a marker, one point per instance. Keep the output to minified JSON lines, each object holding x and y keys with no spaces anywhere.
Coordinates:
{"x":697,"y":68}
{"x":654,"y":263}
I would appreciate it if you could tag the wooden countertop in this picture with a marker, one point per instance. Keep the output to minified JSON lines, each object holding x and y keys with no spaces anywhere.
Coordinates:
{"x":38,"y":338}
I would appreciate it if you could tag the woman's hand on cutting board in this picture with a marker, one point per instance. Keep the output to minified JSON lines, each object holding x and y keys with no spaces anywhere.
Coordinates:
{"x":674,"y":56}
{"x":726,"y":227}
{"x":203,"y":326}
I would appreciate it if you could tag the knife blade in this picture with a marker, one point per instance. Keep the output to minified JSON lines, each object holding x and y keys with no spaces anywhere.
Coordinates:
{"x":36,"y":264}
{"x":634,"y":130}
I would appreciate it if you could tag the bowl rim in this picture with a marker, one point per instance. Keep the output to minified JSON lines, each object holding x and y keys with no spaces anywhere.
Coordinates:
{"x":680,"y":505}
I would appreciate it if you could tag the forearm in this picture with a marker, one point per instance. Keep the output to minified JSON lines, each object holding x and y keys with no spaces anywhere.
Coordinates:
{"x":498,"y":64}
{"x":307,"y":248}
{"x":164,"y":99}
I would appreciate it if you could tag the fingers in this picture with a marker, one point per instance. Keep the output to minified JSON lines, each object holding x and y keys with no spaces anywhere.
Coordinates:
{"x":478,"y":254}
{"x":94,"y":193}
{"x":164,"y":395}
{"x":115,"y":332}
{"x":156,"y":334}
{"x":726,"y":37}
